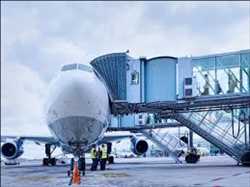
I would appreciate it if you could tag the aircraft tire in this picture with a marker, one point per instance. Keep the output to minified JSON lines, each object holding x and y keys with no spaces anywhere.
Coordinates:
{"x":71,"y":164}
{"x":53,"y":161}
{"x":83,"y":173}
{"x":45,"y":161}
{"x":81,"y":164}
{"x":245,"y":159}
{"x":111,"y":159}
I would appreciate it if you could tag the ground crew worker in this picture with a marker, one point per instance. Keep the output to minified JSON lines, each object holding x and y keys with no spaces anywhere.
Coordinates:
{"x":93,"y":153}
{"x":98,"y":156}
{"x":104,"y":155}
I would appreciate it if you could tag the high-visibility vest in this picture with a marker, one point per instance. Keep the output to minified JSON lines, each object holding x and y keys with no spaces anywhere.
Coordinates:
{"x":93,"y":153}
{"x":104,"y":152}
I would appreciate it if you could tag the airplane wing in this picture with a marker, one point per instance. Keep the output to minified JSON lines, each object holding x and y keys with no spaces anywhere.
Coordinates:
{"x":52,"y":140}
{"x":111,"y":138}
{"x":36,"y":139}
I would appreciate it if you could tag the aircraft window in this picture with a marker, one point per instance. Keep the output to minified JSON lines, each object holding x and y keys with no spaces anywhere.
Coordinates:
{"x":69,"y":67}
{"x":84,"y":67}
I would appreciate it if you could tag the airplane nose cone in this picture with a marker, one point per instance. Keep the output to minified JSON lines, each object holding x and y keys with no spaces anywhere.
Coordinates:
{"x":78,"y":109}
{"x":69,"y":96}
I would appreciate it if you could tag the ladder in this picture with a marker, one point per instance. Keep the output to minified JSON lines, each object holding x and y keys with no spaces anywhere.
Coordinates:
{"x":212,"y":132}
{"x":166,"y":141}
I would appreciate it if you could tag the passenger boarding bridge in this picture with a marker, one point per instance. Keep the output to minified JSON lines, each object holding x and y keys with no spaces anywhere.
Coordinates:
{"x":210,"y":95}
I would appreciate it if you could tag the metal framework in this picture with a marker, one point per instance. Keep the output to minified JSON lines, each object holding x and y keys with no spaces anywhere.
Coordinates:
{"x":195,"y":104}
{"x":151,"y":126}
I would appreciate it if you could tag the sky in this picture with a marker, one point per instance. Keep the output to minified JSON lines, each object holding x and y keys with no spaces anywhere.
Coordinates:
{"x":38,"y":37}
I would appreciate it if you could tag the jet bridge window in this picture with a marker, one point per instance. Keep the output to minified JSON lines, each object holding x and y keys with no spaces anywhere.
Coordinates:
{"x":84,"y":67}
{"x":69,"y":67}
{"x":77,"y":66}
{"x":135,"y":77}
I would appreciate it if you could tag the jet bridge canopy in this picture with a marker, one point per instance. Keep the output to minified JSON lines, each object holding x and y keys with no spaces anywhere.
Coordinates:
{"x":112,"y":68}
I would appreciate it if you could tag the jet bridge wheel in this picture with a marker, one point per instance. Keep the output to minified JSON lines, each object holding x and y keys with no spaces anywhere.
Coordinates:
{"x":245,"y":159}
{"x":192,"y":158}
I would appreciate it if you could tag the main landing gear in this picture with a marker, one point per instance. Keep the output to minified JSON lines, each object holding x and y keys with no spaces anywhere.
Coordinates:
{"x":49,"y":160}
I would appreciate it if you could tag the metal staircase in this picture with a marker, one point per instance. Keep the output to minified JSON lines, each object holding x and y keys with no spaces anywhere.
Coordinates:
{"x":166,"y":141}
{"x":214,"y":133}
{"x":225,"y":138}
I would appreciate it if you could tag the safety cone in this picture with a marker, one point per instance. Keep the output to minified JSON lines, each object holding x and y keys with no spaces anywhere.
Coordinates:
{"x":76,"y":179}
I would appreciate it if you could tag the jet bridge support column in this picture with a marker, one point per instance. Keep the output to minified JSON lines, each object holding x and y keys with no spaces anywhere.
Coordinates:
{"x":190,"y":142}
{"x":192,"y":155}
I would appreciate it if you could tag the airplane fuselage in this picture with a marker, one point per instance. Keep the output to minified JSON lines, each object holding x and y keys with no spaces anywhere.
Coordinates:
{"x":77,"y":110}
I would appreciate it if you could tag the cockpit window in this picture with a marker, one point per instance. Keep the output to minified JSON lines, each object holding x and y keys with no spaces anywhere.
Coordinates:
{"x":76,"y":66}
{"x":69,"y":67}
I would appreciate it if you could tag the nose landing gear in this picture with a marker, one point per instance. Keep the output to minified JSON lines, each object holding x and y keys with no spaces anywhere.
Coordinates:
{"x":80,"y":164}
{"x":77,"y":168}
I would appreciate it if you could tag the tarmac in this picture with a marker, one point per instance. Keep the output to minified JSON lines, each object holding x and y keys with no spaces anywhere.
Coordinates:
{"x":211,"y":171}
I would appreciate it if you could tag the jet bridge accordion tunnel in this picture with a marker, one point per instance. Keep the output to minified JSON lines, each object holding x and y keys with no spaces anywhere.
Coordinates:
{"x":112,"y":68}
{"x":156,"y":77}
{"x":137,"y":80}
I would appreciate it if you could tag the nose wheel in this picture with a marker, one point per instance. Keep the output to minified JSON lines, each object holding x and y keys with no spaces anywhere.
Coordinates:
{"x":77,"y":168}
{"x":81,"y":164}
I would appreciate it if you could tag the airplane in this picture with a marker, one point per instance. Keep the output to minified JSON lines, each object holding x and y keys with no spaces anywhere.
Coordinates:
{"x":77,"y":113}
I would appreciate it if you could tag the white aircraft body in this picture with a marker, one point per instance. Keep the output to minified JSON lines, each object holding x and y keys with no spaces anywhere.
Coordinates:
{"x":77,"y":111}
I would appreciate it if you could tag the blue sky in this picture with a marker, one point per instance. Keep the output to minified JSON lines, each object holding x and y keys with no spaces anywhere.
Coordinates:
{"x":38,"y":37}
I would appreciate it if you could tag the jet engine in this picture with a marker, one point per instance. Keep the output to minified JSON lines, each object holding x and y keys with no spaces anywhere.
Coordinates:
{"x":138,"y":146}
{"x":11,"y":150}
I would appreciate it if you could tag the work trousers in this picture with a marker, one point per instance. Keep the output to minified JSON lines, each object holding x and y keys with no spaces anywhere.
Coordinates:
{"x":94,"y":164}
{"x":103,"y":163}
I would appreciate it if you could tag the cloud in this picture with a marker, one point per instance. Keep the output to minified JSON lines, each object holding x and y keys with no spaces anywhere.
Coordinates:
{"x":22,"y":96}
{"x":196,"y":27}
{"x":95,"y":28}
{"x":38,"y":37}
